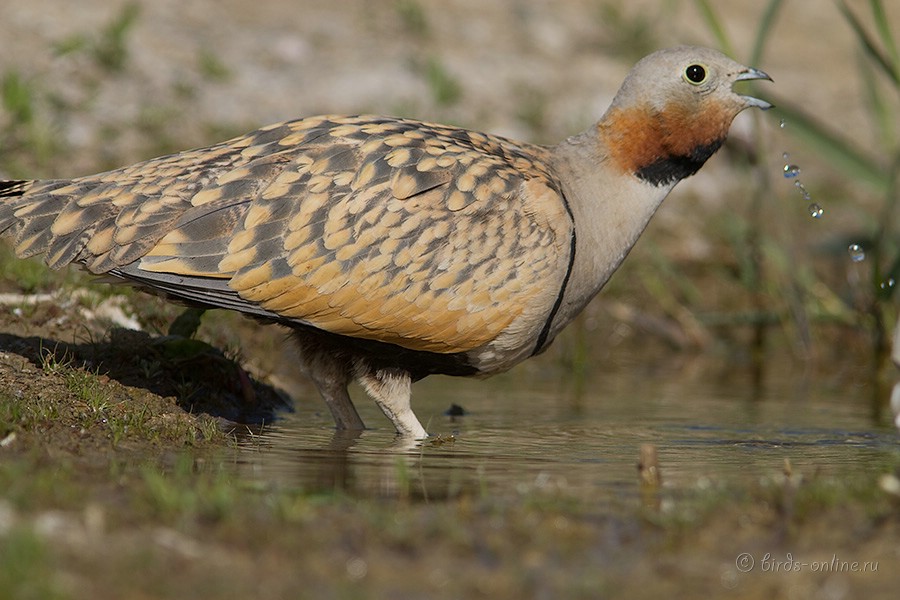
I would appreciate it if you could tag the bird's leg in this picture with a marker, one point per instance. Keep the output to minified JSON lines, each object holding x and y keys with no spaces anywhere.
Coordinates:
{"x":391,"y":390}
{"x":339,"y":403}
{"x":331,"y":376}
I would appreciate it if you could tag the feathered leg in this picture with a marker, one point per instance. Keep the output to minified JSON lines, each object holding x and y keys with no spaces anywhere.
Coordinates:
{"x":391,"y":390}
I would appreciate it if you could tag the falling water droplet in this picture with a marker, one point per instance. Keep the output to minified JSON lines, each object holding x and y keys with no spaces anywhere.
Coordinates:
{"x":791,"y":171}
{"x":857,"y":254}
{"x":815,"y":211}
{"x":781,"y":124}
{"x":888,"y":283}
{"x":803,"y":191}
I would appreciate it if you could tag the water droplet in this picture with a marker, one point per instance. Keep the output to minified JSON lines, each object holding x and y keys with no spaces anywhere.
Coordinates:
{"x":888,"y":283}
{"x":815,"y":211}
{"x":781,"y":124}
{"x":857,"y":254}
{"x":791,"y":171}
{"x":803,"y":191}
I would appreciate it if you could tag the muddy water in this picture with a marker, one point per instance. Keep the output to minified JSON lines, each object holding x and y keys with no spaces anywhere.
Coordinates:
{"x":537,"y":428}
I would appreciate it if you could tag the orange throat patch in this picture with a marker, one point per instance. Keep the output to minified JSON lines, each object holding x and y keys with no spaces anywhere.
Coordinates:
{"x":663,"y":147}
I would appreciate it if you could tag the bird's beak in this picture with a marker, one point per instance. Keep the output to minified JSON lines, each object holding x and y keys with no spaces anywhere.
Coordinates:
{"x":750,"y":74}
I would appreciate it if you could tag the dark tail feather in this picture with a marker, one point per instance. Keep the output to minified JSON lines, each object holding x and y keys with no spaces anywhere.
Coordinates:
{"x":10,"y":192}
{"x":10,"y":189}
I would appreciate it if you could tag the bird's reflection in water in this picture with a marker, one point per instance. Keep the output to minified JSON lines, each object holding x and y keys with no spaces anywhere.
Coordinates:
{"x":371,"y":463}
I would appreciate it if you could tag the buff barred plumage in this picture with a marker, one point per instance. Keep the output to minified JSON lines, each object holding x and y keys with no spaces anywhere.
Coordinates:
{"x":395,"y":248}
{"x":378,"y":228}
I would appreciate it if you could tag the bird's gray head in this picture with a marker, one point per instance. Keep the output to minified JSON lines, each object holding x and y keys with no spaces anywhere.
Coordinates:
{"x":673,"y":112}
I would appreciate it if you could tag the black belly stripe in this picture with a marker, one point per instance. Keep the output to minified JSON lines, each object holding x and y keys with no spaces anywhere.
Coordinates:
{"x":545,"y":331}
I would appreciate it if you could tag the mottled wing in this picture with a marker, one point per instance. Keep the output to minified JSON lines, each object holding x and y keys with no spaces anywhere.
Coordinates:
{"x":111,"y":219}
{"x":425,"y":236}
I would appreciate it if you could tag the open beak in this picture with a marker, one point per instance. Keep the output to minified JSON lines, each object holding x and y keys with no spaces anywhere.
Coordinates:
{"x":750,"y":74}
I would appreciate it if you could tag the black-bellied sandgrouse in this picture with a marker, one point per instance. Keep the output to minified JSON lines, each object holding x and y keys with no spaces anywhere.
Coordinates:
{"x":394,"y":248}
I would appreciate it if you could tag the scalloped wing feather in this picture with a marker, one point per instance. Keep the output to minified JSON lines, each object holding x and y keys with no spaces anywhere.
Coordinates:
{"x":421,"y":235}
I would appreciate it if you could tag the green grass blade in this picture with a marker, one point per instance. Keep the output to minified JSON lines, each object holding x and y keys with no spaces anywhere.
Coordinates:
{"x":766,"y":25}
{"x":17,"y":98}
{"x":868,"y":44}
{"x":888,"y":286}
{"x":715,"y":26}
{"x":880,"y":110}
{"x":837,"y":151}
{"x":884,"y":31}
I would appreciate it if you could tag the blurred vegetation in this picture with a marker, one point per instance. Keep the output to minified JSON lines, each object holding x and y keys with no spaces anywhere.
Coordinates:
{"x":796,"y":294}
{"x":445,"y":88}
{"x":109,"y":48}
{"x":413,"y":17}
{"x":630,"y":32}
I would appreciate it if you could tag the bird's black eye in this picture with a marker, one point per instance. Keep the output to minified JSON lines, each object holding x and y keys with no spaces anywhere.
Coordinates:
{"x":695,"y":74}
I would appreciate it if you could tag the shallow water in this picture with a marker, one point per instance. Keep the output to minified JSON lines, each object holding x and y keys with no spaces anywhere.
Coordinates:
{"x":534,"y":429}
